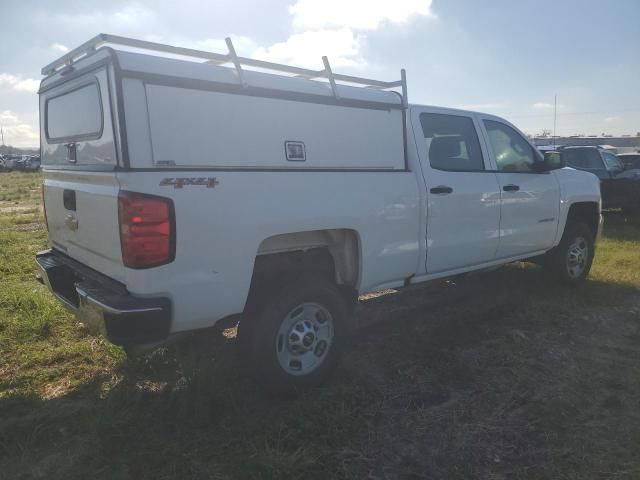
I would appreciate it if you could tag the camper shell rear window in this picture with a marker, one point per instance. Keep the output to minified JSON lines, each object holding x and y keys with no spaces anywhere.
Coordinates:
{"x":75,"y":114}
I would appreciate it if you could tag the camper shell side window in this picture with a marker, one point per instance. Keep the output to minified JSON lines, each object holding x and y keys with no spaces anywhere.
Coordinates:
{"x":75,"y":114}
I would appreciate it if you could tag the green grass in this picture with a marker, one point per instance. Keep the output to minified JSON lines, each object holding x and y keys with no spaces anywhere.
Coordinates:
{"x":20,"y":187}
{"x":498,"y":375}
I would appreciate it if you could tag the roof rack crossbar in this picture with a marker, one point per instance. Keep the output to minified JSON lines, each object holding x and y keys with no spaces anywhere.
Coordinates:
{"x":236,"y":62}
{"x":216,"y":58}
{"x":329,"y":75}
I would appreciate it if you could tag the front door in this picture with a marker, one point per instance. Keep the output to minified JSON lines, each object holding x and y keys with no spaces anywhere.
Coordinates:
{"x":530,"y":198}
{"x":463,"y":198}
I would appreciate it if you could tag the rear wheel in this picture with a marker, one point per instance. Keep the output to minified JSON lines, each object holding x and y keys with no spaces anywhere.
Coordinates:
{"x":294,"y":336}
{"x":571,"y":260}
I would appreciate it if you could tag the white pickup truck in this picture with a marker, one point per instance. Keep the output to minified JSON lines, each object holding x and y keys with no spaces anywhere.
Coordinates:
{"x":182,"y":194}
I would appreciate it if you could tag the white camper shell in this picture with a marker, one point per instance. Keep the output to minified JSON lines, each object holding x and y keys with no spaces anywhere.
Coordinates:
{"x":178,"y":112}
{"x":182,"y":194}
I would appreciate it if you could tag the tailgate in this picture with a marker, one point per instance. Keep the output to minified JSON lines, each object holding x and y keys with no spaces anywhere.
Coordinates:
{"x":82,"y":217}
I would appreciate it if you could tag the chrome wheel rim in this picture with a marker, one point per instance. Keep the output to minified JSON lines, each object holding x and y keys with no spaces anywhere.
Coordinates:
{"x":304,"y":339}
{"x":577,"y":256}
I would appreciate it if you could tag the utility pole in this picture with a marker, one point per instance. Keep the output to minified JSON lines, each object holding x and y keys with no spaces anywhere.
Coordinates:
{"x":2,"y":133}
{"x":555,"y":116}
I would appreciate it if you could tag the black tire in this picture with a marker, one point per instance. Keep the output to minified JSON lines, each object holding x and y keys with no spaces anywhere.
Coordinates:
{"x":261,"y":342}
{"x":572,"y":271}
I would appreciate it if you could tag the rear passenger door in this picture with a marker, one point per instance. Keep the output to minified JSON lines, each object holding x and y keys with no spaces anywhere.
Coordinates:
{"x":530,"y":197}
{"x":463,"y":198}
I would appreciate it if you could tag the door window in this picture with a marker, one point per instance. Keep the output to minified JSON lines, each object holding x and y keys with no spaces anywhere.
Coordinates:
{"x":583,"y":158}
{"x":631,"y":161}
{"x":512,"y":152}
{"x":452,"y":143}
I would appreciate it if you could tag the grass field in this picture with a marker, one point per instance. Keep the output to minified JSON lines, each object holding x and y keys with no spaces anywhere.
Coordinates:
{"x":499,"y":375}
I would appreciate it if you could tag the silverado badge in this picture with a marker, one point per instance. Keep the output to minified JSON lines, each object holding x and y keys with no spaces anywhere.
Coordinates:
{"x":180,"y":182}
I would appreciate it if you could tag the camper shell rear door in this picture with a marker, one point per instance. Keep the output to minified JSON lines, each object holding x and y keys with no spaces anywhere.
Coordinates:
{"x":79,"y":157}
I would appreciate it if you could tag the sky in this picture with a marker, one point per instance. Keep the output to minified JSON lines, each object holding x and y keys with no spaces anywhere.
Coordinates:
{"x":505,"y":57}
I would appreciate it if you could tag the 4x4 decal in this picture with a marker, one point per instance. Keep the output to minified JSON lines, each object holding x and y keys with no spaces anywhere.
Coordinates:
{"x":180,"y":182}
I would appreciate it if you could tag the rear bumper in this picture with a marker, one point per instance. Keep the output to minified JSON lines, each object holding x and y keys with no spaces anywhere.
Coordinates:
{"x":103,"y":304}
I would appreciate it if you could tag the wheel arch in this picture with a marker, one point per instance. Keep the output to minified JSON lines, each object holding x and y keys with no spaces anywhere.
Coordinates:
{"x":584,"y":212}
{"x":332,"y":253}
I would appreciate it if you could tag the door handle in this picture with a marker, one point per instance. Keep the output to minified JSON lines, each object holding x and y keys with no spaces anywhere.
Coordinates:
{"x":511,"y":188}
{"x":441,"y":190}
{"x":72,"y":152}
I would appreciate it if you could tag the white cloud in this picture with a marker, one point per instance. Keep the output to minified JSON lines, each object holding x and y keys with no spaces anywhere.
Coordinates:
{"x":58,"y":47}
{"x":306,"y":49}
{"x":545,"y":106}
{"x":135,"y":20}
{"x":19,"y":84}
{"x":611,"y":119}
{"x":356,"y":14}
{"x":334,"y":28}
{"x":16,"y":132}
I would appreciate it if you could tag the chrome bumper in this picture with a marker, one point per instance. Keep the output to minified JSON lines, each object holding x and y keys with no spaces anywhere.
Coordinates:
{"x":102,"y":304}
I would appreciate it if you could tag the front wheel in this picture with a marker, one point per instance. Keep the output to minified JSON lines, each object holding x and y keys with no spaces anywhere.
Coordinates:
{"x":293,"y":338}
{"x":571,"y":260}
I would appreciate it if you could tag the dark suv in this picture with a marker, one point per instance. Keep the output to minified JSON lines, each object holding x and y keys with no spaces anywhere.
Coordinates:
{"x":620,"y":188}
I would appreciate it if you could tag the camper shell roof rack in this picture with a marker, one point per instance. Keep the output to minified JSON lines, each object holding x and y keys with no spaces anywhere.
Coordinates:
{"x":238,"y":62}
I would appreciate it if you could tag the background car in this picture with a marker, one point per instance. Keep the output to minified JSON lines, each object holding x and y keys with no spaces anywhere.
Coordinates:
{"x":548,"y":148}
{"x":32,"y":163}
{"x":10,"y":161}
{"x":21,"y":163}
{"x":620,"y":188}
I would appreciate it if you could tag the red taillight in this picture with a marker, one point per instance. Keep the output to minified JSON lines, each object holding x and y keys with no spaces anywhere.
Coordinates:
{"x":147,"y":230}
{"x":44,"y":208}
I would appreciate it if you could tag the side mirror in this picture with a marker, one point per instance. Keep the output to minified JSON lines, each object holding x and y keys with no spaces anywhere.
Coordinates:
{"x":553,"y":161}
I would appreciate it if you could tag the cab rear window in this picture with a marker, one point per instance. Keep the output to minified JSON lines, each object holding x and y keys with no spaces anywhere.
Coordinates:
{"x":75,"y":115}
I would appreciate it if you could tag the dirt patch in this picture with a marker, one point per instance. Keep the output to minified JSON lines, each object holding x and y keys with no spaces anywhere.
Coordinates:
{"x":28,"y":227}
{"x":18,"y":209}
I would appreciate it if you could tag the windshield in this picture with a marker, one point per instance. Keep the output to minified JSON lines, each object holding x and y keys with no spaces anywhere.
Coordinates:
{"x":612,"y":161}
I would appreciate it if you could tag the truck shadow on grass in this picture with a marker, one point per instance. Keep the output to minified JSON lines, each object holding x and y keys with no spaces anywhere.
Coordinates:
{"x":500,"y":374}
